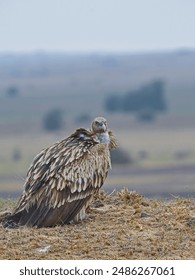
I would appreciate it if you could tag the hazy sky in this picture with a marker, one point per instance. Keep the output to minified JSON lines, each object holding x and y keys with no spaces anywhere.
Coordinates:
{"x":96,"y":25}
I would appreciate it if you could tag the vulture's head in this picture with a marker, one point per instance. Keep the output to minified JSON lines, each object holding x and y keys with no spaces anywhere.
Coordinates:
{"x":99,"y":125}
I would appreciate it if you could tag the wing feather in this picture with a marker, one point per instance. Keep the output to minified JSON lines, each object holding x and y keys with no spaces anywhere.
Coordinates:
{"x":61,"y":179}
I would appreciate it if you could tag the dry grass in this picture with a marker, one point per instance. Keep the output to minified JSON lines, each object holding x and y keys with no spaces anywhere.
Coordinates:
{"x":123,"y":225}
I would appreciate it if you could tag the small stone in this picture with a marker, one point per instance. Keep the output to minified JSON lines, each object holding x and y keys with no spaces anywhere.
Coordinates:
{"x":191,"y":222}
{"x":144,"y":215}
{"x":43,"y":249}
{"x":97,"y":204}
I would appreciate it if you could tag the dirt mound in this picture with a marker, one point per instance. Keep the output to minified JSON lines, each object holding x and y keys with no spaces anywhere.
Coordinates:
{"x":123,"y":225}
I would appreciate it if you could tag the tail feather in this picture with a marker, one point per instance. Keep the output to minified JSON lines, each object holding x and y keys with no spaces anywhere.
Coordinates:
{"x":45,"y":216}
{"x":11,"y":220}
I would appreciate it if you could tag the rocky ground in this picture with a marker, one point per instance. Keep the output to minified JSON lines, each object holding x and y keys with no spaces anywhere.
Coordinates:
{"x":122,"y":225}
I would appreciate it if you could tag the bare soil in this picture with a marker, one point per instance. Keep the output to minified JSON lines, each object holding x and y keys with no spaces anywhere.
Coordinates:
{"x":123,"y":225}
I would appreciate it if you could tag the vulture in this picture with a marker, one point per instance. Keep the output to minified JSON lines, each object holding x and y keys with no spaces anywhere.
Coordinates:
{"x":63,"y":178}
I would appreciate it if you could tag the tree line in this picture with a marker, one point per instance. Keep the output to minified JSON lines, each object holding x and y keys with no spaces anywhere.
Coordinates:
{"x":145,"y":102}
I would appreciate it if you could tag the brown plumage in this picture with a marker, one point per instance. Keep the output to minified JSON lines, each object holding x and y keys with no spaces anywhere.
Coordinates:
{"x":62,"y":178}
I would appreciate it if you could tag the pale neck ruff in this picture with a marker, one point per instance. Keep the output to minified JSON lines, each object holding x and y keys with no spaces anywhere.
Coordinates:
{"x":103,"y":137}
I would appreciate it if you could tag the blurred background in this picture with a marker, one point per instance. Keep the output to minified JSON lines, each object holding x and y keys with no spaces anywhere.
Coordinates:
{"x":64,"y":62}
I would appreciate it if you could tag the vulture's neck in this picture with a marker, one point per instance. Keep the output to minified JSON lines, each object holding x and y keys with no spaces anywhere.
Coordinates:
{"x":103,"y":137}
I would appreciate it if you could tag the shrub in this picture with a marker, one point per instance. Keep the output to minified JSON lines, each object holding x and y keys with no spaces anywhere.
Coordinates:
{"x":17,"y":155}
{"x":12,"y":91}
{"x":53,"y":120}
{"x":119,"y":156}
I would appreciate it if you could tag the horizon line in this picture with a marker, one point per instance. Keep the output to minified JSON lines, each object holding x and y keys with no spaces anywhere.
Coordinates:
{"x":96,"y":52}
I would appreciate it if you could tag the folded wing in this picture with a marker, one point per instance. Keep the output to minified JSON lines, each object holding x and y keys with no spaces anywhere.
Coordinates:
{"x":61,"y":180}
